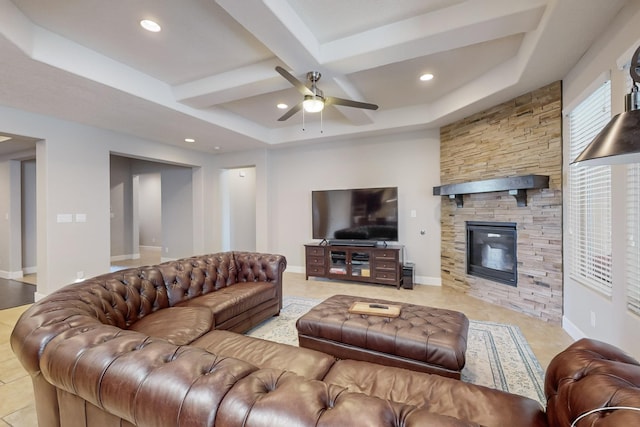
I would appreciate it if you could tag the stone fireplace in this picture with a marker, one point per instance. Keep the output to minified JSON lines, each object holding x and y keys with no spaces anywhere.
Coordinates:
{"x":520,"y":137}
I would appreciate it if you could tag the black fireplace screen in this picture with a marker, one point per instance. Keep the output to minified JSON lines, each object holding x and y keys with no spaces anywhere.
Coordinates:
{"x":491,"y":251}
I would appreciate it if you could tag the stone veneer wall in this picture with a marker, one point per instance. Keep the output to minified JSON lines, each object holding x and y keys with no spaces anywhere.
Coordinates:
{"x":520,"y":137}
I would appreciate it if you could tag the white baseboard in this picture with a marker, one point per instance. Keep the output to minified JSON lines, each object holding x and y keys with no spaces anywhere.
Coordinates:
{"x":29,"y":270}
{"x":10,"y":274}
{"x":125,"y":257}
{"x":430,"y":281}
{"x":573,"y":331}
{"x":295,"y":269}
{"x":37,"y":296}
{"x":151,"y":248}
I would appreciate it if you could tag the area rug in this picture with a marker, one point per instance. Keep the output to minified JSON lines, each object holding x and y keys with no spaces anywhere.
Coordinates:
{"x":498,"y":355}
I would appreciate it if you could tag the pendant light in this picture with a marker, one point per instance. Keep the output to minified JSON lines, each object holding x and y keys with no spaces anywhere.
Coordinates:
{"x":619,"y":140}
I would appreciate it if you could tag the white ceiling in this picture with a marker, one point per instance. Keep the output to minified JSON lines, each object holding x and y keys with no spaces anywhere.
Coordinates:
{"x":209,"y":74}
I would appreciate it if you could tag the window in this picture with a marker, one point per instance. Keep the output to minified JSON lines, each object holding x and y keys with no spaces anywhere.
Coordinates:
{"x":590,"y":197}
{"x":633,"y":238}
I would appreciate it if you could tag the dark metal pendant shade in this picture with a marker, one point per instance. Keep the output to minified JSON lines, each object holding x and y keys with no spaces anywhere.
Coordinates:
{"x":619,"y":140}
{"x":620,"y":137}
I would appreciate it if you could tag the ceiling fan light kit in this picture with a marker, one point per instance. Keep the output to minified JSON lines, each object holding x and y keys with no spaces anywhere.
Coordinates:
{"x":313,"y":100}
{"x":313,"y":103}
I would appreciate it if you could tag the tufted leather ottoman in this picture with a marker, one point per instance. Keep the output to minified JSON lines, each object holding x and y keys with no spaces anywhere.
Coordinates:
{"x":424,"y":339}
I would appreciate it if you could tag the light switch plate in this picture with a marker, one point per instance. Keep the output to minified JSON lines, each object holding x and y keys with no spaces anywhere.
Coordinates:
{"x":65,"y":218}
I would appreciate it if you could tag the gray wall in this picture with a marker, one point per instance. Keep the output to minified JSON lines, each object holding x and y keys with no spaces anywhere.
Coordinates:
{"x":121,"y":209}
{"x":177,"y":212}
{"x":150,"y":209}
{"x":29,"y":209}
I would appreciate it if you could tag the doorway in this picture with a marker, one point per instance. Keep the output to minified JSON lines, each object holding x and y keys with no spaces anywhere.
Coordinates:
{"x":151,"y":206}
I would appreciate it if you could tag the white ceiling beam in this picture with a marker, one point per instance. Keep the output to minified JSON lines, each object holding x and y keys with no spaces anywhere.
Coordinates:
{"x":461,"y":25}
{"x":240,"y":83}
{"x":279,"y":28}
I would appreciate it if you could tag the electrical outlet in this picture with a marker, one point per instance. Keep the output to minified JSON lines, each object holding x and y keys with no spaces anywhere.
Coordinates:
{"x":593,"y":319}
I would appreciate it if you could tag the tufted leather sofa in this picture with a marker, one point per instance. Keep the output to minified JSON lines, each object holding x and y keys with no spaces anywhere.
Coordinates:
{"x":143,"y":347}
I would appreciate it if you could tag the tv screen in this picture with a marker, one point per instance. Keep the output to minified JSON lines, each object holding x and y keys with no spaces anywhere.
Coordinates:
{"x":365,"y":214}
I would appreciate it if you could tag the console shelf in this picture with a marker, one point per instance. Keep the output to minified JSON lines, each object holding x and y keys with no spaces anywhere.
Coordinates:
{"x":382,"y":265}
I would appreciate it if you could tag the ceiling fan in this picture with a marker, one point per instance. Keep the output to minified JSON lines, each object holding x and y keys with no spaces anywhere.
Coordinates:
{"x":314,"y":100}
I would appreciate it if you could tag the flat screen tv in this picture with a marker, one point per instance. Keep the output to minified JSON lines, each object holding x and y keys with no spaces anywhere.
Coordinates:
{"x":364,"y":215}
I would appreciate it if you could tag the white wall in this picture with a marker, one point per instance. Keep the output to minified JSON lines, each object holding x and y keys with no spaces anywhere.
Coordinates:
{"x":240,"y":208}
{"x":410,"y":161}
{"x":72,"y":163}
{"x":614,"y":323}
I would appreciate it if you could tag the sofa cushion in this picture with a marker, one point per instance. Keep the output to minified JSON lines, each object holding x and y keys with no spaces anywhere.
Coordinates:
{"x":233,"y":300}
{"x":178,"y":325}
{"x":445,"y":396}
{"x":310,"y":364}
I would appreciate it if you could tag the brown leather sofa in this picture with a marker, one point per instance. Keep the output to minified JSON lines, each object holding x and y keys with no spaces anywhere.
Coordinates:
{"x":146,"y":347}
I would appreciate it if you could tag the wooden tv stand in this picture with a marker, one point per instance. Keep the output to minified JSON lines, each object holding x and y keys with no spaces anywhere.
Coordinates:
{"x":370,"y":264}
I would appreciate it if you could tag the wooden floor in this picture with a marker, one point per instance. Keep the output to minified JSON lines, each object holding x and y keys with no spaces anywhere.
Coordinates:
{"x":14,"y":293}
{"x":546,"y":340}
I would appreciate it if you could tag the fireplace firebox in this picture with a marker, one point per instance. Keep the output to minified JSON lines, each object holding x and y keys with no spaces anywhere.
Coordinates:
{"x":491,"y":251}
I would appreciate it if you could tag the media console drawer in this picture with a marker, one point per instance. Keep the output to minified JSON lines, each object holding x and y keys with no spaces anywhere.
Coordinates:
{"x":315,"y":251}
{"x":386,"y":254}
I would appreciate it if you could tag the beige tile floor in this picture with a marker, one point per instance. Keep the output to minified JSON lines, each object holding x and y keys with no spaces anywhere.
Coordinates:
{"x":16,"y":395}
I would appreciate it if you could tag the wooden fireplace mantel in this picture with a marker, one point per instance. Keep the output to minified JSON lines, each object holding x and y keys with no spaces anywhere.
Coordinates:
{"x":517,"y":186}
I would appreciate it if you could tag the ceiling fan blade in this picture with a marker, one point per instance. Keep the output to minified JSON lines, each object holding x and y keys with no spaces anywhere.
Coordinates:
{"x":329,"y":100}
{"x":295,"y":82}
{"x":291,"y":112}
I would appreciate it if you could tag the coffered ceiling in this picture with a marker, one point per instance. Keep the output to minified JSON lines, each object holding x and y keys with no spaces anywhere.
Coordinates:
{"x":210,"y":73}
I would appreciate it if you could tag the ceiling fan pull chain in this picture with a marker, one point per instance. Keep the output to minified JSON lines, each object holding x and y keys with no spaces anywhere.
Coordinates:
{"x":321,"y":121}
{"x":303,"y":120}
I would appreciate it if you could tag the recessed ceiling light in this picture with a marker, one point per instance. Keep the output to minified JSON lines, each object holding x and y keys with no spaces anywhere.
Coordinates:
{"x":426,"y":77}
{"x":150,"y":25}
{"x":282,"y":106}
{"x":189,"y":140}
{"x":216,"y":148}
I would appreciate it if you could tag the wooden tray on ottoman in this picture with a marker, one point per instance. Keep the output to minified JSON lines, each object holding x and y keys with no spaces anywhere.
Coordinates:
{"x":373,"y":309}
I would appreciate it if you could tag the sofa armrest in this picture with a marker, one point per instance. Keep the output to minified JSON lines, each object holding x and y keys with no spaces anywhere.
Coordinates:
{"x":261,"y":267}
{"x":589,"y":375}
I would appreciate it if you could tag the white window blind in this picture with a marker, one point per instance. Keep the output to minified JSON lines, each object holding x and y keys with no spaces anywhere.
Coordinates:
{"x":633,"y":238}
{"x":590,"y":197}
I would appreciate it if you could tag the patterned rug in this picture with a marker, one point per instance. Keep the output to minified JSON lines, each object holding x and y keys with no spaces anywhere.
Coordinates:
{"x":498,"y":355}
